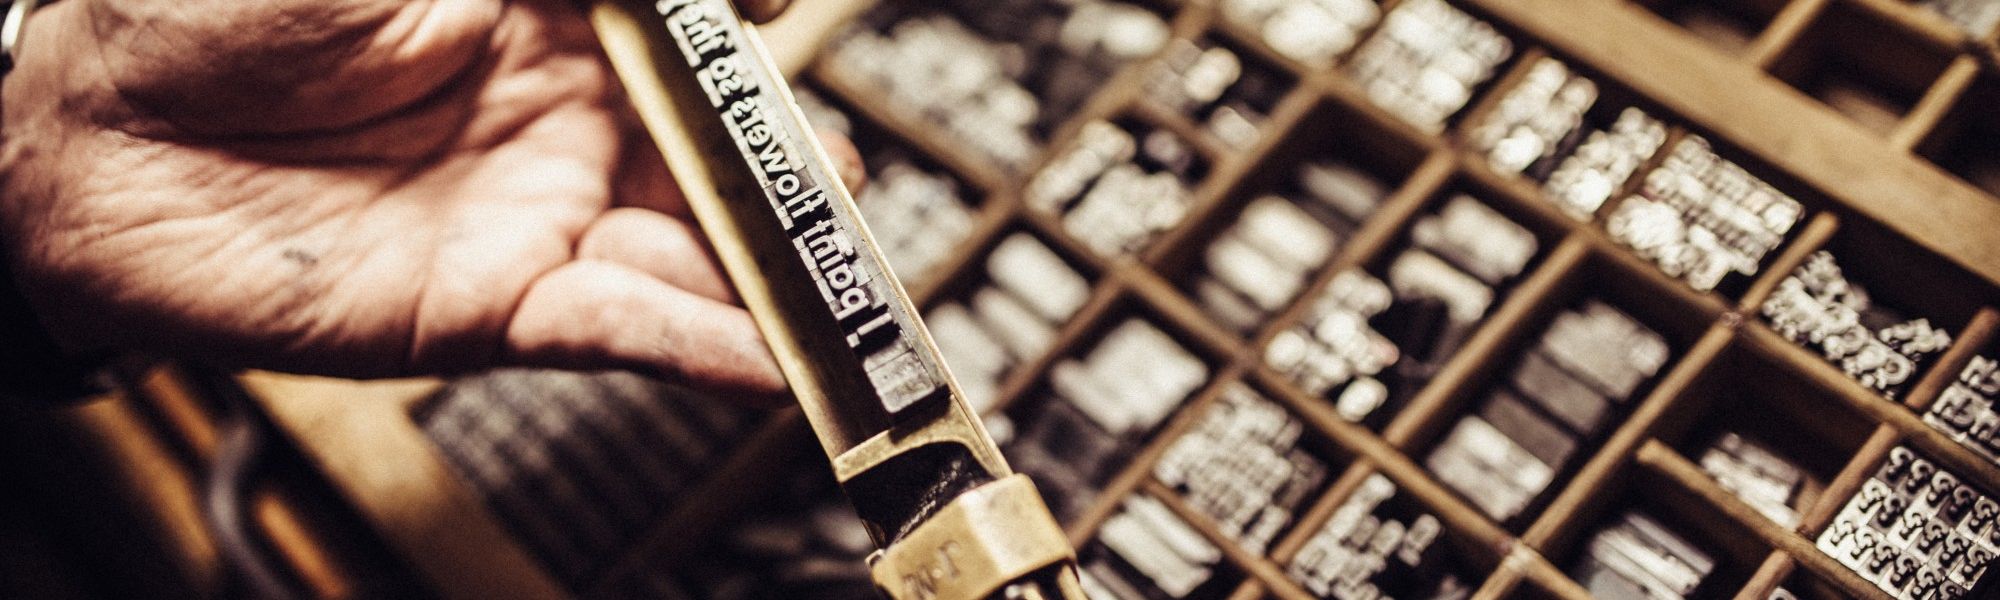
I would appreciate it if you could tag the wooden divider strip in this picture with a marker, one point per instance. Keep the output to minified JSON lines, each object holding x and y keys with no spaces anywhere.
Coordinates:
{"x":1408,"y":476}
{"x":1250,"y":590}
{"x":1179,"y":311}
{"x":1768,"y":577}
{"x":1500,"y":584}
{"x":1266,"y":573}
{"x":976,"y":170}
{"x":1104,"y":295}
{"x":1927,"y":27}
{"x":1783,"y":32}
{"x":1795,"y":134}
{"x":1538,"y":569}
{"x":1843,"y":486}
{"x":1938,"y":101}
{"x":1523,"y":197}
{"x":993,"y":218}
{"x":1483,"y":105}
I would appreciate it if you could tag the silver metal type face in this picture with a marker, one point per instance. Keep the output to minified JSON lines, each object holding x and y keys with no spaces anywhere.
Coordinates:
{"x":1967,"y":409}
{"x":1818,"y":307}
{"x":1375,"y":547}
{"x":1914,"y":530}
{"x":1166,"y":550}
{"x":1426,"y":59}
{"x":1701,"y":218}
{"x":1243,"y":467}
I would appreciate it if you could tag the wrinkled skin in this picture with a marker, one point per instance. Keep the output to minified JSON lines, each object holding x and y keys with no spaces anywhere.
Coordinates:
{"x":357,"y":188}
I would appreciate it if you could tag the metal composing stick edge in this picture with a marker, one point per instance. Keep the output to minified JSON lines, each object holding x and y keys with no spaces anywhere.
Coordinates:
{"x":904,"y":444}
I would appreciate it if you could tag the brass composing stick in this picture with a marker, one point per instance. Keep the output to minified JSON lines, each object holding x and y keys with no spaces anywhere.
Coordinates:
{"x":953,"y":521}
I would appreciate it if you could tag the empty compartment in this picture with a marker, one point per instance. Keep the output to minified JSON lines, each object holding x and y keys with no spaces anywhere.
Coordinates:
{"x":1006,"y":311}
{"x":1518,"y":430}
{"x":1120,"y":184}
{"x":1095,"y":407}
{"x":1569,"y":131}
{"x":1146,"y":551}
{"x":1967,"y":141}
{"x":1875,"y":306}
{"x":1228,"y":92}
{"x":1729,"y":25}
{"x":1763,"y":433}
{"x":1866,"y":66}
{"x":1651,"y":538}
{"x":1265,"y":243}
{"x":1381,"y":542}
{"x":1250,"y":465}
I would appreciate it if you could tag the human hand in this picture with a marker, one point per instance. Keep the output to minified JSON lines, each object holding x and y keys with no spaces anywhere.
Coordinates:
{"x":357,"y":188}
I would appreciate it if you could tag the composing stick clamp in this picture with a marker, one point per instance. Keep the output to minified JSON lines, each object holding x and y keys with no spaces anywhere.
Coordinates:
{"x":952,"y":519}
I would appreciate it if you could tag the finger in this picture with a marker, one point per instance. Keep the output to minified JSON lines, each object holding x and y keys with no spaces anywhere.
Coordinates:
{"x":595,"y":314}
{"x":845,"y":158}
{"x":762,"y":11}
{"x":643,"y":180}
{"x":664,"y":247}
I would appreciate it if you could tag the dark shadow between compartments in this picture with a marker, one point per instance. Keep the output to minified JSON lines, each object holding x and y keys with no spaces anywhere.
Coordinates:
{"x":1807,"y":585}
{"x":1967,"y":142}
{"x":1726,"y":24}
{"x":1862,"y":65}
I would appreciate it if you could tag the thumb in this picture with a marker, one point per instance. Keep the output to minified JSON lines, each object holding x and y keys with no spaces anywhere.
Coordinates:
{"x":592,"y":314}
{"x":264,"y":67}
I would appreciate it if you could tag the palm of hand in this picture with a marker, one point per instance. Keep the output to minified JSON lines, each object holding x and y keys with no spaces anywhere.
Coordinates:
{"x":413,"y":187}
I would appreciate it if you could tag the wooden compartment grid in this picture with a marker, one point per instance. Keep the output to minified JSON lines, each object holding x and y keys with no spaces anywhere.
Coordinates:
{"x":1579,"y":259}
